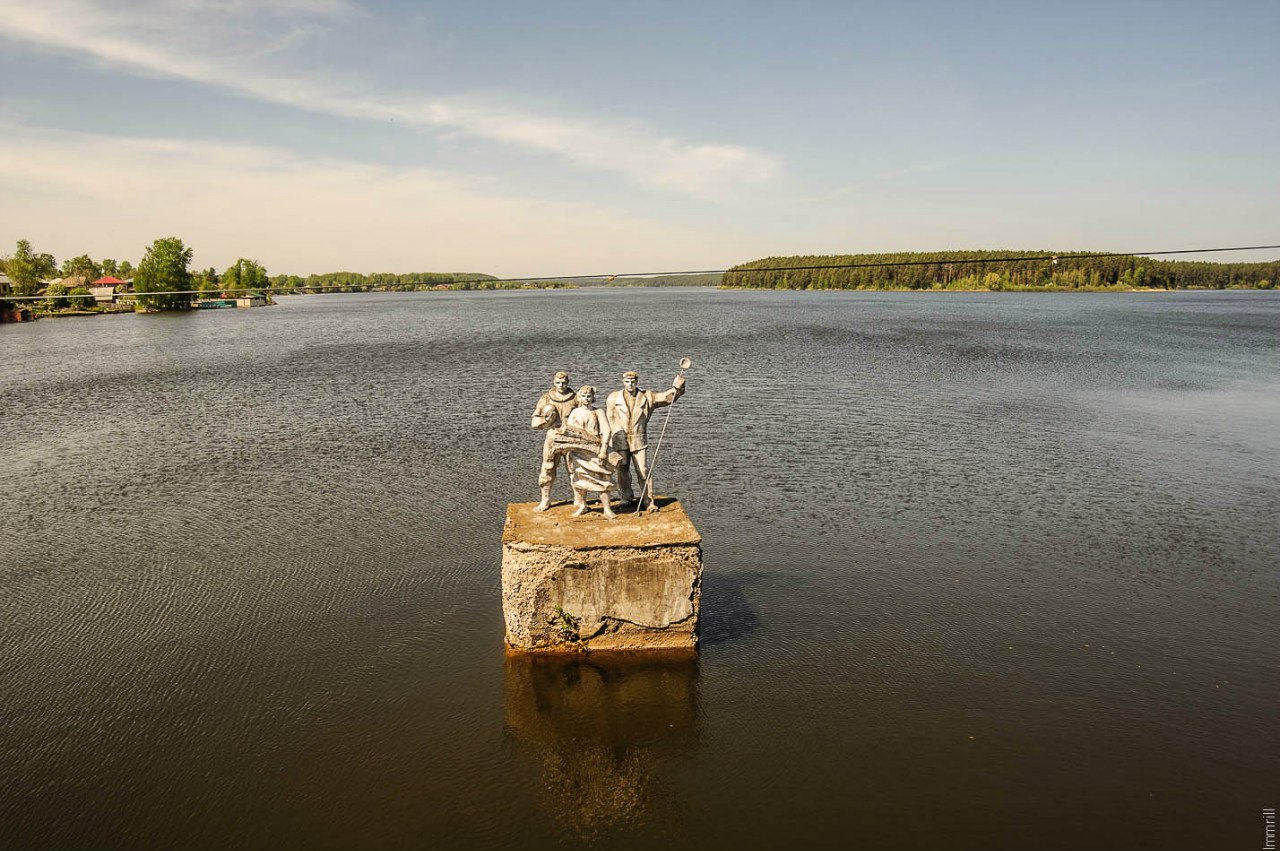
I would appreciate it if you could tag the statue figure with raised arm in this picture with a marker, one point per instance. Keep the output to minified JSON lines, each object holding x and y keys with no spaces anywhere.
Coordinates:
{"x":629,"y":410}
{"x":551,"y":414}
{"x":586,"y":437}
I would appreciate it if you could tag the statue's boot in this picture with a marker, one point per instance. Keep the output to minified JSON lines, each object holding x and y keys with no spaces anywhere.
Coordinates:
{"x":606,"y":508}
{"x":580,"y":502}
{"x":546,"y":500}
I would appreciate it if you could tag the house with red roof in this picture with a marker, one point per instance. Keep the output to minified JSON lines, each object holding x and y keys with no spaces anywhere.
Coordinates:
{"x":105,"y":288}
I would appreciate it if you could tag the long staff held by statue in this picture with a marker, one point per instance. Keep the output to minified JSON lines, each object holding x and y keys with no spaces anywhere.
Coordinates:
{"x":685,"y":363}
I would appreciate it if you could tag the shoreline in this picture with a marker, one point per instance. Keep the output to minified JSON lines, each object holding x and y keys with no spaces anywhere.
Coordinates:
{"x":59,"y":314}
{"x":938,"y":290}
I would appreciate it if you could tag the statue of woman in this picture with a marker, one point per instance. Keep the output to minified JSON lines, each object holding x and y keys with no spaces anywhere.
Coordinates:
{"x":590,"y":465}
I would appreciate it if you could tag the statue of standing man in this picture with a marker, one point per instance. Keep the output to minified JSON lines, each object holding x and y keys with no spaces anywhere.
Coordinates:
{"x":629,"y":410}
{"x":552,"y":413}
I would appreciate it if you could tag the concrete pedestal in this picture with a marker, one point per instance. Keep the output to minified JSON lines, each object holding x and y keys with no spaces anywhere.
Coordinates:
{"x":578,"y":583}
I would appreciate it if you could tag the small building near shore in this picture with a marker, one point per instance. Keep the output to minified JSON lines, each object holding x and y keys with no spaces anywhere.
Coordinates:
{"x":251,"y":301}
{"x":104,"y":289}
{"x":12,"y":311}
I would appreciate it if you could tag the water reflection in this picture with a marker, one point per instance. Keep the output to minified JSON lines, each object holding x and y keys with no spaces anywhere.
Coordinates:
{"x":727,"y":613}
{"x":601,"y":728}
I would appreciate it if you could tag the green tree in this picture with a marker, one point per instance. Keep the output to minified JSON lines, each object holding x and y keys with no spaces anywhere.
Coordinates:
{"x":109,"y":267}
{"x":26,"y":268}
{"x":125,"y":270}
{"x":55,"y":296}
{"x":206,"y":280}
{"x":83,"y":267}
{"x":164,"y":270}
{"x":287,"y":283}
{"x":245,"y":275}
{"x":81,"y":299}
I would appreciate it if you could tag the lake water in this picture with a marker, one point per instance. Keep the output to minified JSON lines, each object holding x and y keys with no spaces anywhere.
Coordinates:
{"x":983,"y":571}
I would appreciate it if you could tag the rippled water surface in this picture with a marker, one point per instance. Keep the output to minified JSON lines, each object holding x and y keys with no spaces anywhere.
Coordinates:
{"x":983,"y":571}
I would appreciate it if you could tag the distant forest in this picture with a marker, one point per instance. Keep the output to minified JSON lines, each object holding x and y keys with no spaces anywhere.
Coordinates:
{"x":711,"y":279}
{"x":32,"y":274}
{"x":409,"y":281}
{"x":403,"y":282}
{"x":973,"y":270}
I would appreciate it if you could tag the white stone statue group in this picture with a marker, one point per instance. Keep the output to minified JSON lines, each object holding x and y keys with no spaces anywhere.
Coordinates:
{"x":598,"y":444}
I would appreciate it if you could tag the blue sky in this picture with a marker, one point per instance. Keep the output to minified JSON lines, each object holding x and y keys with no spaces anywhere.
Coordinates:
{"x":570,"y":138}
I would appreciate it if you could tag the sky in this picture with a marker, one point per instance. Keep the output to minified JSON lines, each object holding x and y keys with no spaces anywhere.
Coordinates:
{"x":561,"y":138}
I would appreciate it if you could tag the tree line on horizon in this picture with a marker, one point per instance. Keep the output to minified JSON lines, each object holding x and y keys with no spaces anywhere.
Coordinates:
{"x":165,"y":268}
{"x":695,"y":279}
{"x":982,"y":270}
{"x":392,"y":281}
{"x":27,"y":271}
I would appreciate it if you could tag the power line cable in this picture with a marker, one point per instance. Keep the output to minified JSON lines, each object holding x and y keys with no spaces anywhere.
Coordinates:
{"x":1094,"y":255}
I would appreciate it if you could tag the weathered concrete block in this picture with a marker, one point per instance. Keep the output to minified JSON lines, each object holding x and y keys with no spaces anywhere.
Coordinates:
{"x":574,"y":583}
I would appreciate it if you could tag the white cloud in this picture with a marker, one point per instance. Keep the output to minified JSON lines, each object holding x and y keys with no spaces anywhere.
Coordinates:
{"x":224,"y":44}
{"x":72,"y":193}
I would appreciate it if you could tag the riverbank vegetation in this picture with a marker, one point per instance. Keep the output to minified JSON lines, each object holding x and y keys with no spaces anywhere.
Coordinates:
{"x":989,"y":270}
{"x":700,"y":279}
{"x":163,"y":280}
{"x":352,"y":282}
{"x":165,"y":269}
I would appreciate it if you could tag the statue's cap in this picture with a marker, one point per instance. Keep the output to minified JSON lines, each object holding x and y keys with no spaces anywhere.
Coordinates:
{"x":560,"y":375}
{"x":631,"y":374}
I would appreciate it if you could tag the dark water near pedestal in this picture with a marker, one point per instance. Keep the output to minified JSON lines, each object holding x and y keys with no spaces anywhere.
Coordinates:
{"x":983,"y":571}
